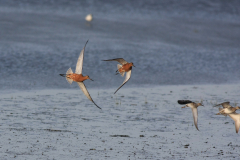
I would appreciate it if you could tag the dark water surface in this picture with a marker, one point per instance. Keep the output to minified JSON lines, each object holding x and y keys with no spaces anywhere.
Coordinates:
{"x":169,"y":42}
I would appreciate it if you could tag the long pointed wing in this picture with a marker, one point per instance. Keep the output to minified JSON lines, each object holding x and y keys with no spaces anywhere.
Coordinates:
{"x":225,"y":104}
{"x":128,"y":75}
{"x":184,"y":101}
{"x":80,"y":61}
{"x":236,"y":118}
{"x":195,"y":116}
{"x":120,"y":60}
{"x":237,"y":125}
{"x":84,"y":89}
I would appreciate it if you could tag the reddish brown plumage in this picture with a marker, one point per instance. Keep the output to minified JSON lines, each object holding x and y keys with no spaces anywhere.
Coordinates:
{"x":77,"y":77}
{"x":126,"y":67}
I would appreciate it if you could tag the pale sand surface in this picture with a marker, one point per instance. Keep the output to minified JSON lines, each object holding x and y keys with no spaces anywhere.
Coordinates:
{"x":136,"y":123}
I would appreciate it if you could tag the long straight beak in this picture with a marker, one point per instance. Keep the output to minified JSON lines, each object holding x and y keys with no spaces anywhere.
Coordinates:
{"x":90,"y":79}
{"x":133,"y":66}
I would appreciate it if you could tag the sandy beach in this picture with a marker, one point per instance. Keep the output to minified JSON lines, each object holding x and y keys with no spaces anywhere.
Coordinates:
{"x":136,"y":123}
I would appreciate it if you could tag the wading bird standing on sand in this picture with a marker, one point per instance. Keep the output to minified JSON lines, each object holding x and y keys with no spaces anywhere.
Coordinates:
{"x":78,"y":77}
{"x":227,"y":108}
{"x":125,"y":67}
{"x":193,"y":106}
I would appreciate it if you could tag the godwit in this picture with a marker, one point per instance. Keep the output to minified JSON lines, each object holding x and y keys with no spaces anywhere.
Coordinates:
{"x":125,"y":67}
{"x":193,"y":106}
{"x":78,"y":77}
{"x":227,"y":108}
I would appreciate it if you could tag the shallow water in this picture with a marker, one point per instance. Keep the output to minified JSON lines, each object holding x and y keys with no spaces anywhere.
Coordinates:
{"x":136,"y":123}
{"x":169,"y":43}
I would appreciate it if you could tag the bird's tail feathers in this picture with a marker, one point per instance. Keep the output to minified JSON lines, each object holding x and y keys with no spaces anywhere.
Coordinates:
{"x":69,"y":71}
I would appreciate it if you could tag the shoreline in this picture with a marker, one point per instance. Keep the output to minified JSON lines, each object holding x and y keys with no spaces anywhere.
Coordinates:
{"x":125,"y":87}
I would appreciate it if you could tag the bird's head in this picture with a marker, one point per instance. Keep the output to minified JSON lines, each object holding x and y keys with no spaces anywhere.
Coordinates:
{"x":200,"y":104}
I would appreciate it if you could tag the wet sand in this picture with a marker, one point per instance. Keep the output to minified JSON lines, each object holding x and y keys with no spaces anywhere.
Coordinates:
{"x":136,"y":123}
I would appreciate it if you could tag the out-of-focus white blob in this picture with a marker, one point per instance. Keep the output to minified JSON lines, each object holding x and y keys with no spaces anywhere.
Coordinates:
{"x":89,"y":17}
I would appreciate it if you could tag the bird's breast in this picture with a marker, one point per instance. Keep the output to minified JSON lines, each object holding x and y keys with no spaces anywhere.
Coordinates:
{"x":125,"y":68}
{"x":76,"y":77}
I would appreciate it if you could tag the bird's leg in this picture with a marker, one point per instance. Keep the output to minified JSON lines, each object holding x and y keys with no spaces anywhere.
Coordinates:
{"x":117,"y":72}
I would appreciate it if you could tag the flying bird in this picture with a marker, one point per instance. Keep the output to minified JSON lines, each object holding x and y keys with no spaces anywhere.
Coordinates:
{"x":227,"y":108}
{"x":78,"y":77}
{"x":122,"y":68}
{"x":193,"y":106}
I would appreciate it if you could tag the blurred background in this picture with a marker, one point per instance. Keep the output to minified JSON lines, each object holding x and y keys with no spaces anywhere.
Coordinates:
{"x":170,"y":42}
